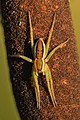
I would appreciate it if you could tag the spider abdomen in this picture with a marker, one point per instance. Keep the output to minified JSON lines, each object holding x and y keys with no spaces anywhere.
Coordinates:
{"x":39,"y":49}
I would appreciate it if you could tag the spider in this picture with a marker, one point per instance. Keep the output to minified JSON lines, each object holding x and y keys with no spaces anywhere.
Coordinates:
{"x":41,"y":57}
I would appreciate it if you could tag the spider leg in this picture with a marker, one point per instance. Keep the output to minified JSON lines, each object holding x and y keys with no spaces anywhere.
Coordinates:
{"x":54,"y":49}
{"x":31,"y":32}
{"x":36,"y":87}
{"x":50,"y":84}
{"x":50,"y":35}
{"x":23,"y":57}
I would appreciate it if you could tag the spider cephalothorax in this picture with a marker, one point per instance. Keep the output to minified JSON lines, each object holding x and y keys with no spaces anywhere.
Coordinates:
{"x":41,"y":57}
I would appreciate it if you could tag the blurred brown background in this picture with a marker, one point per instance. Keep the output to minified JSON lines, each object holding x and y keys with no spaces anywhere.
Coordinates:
{"x":63,"y":64}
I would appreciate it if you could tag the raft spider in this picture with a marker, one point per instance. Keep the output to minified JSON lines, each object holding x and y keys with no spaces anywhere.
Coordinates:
{"x":41,"y":57}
